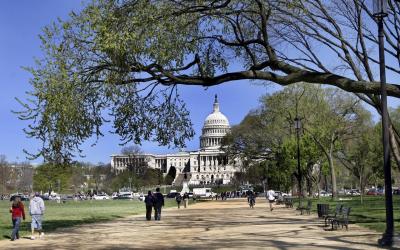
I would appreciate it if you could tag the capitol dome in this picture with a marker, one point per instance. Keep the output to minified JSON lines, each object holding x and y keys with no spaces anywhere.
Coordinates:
{"x":215,"y":128}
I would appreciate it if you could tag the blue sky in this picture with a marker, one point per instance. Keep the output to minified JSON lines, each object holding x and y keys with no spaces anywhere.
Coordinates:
{"x":20,"y":23}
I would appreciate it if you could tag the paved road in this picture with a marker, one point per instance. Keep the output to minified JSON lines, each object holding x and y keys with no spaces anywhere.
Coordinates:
{"x":207,"y":225}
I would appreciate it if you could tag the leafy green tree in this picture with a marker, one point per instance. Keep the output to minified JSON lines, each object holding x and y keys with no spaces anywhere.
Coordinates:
{"x":5,"y":173}
{"x":328,"y":118}
{"x":362,"y":156}
{"x":52,"y":177}
{"x":338,"y":118}
{"x":128,"y":58}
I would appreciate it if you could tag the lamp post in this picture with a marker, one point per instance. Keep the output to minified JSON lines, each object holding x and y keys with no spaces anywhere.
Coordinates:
{"x":130,"y":183}
{"x":297,"y":126}
{"x":59,"y":185}
{"x":380,"y":12}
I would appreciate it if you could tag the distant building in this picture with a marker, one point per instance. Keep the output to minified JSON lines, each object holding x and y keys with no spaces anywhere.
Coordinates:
{"x":208,"y":165}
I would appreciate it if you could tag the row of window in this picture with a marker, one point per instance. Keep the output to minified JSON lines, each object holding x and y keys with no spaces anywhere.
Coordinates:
{"x":216,"y":121}
{"x":213,"y":131}
{"x":212,"y":176}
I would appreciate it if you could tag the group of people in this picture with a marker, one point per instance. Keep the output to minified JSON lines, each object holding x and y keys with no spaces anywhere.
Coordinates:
{"x":270,"y":196}
{"x":224,"y":195}
{"x":36,"y":211}
{"x":184,"y":197}
{"x":152,"y":200}
{"x":156,"y":201}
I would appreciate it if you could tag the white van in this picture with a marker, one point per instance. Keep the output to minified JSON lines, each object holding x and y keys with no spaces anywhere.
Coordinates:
{"x":203,"y":192}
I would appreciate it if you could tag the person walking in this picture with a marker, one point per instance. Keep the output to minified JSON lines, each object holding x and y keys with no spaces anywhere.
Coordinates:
{"x":185,"y":200}
{"x":36,"y":210}
{"x":271,"y":198}
{"x":178,"y":199}
{"x":17,"y":211}
{"x":158,"y":204}
{"x":149,"y":201}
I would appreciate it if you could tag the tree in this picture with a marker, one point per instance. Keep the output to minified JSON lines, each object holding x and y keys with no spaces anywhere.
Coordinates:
{"x":128,"y":57}
{"x":5,"y":173}
{"x":25,"y":180}
{"x":338,"y":118}
{"x":50,"y":177}
{"x":131,"y":150}
{"x":362,"y":156}
{"x":328,"y":118}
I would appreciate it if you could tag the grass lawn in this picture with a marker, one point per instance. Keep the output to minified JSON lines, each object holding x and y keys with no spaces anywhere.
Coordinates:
{"x":371,"y":213}
{"x":74,"y":213}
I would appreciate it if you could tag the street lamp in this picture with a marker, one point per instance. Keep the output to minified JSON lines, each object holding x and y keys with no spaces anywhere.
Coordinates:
{"x":130,"y":183}
{"x":379,"y":13}
{"x":297,"y":126}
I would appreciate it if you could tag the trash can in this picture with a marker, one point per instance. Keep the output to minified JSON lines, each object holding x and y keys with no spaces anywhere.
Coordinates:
{"x":322,"y":209}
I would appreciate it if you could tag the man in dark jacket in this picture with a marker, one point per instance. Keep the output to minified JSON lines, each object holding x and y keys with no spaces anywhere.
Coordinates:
{"x":149,"y":201}
{"x":158,"y":204}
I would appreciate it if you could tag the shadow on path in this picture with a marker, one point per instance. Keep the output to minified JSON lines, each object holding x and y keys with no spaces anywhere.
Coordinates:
{"x":208,"y":225}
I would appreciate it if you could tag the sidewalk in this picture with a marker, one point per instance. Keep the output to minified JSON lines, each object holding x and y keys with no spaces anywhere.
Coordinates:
{"x":227,"y":224}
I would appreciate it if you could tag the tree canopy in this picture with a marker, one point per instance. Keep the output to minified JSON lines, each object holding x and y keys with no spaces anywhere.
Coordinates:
{"x":331,"y":123}
{"x":121,"y":61}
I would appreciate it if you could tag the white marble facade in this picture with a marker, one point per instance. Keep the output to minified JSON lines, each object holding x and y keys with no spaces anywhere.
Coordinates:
{"x":204,"y":166}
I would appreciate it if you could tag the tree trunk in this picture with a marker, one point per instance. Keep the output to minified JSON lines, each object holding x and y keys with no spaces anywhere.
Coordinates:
{"x":333,"y":174}
{"x":319,"y":182}
{"x":361,"y":188}
{"x":394,"y":144}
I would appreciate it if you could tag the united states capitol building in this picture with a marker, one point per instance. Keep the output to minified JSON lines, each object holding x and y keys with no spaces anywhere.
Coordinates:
{"x":208,"y":165}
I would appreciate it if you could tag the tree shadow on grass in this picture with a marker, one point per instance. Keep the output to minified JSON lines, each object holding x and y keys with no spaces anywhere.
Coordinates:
{"x":52,"y":225}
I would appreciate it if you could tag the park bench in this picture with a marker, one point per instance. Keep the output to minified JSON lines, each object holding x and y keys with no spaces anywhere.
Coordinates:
{"x":342,"y":220}
{"x":306,"y":208}
{"x":334,"y":215}
{"x":288,"y":202}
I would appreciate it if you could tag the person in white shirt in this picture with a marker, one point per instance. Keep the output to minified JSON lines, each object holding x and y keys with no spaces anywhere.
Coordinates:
{"x":36,"y":210}
{"x":271,"y":198}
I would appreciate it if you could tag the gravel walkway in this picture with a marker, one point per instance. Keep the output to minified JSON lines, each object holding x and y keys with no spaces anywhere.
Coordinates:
{"x":207,"y":225}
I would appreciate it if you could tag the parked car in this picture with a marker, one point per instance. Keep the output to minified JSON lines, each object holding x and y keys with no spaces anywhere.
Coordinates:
{"x":353,"y":192}
{"x":101,"y":197}
{"x":323,"y":193}
{"x":45,"y":197}
{"x":124,"y":196}
{"x":372,"y":191}
{"x":68,"y":197}
{"x":22,"y":196}
{"x":279,"y":193}
{"x":141,"y":197}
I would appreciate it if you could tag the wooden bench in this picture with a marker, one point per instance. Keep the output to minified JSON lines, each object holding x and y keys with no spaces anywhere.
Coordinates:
{"x":306,"y":208}
{"x":342,"y":220}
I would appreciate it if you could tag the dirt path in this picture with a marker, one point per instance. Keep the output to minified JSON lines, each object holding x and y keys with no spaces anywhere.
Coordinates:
{"x":208,"y":225}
